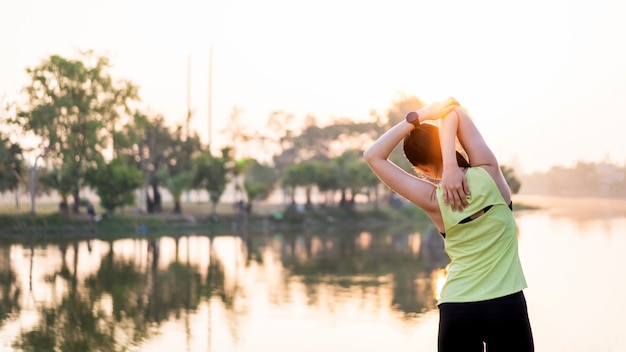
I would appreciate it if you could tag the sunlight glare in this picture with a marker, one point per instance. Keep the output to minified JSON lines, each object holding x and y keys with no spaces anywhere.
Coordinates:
{"x":364,"y":240}
{"x":415,"y":243}
{"x":439,"y":279}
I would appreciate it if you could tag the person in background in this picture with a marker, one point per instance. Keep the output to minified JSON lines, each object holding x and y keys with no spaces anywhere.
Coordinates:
{"x":90,"y":210}
{"x":482,"y":304}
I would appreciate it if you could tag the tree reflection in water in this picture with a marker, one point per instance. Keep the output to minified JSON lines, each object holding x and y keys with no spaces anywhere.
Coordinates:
{"x":369,"y":261}
{"x":120,"y":305}
{"x":115,"y":296}
{"x":10,"y":288}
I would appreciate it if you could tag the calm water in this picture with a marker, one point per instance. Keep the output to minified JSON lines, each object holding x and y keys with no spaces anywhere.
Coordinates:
{"x":273,"y":291}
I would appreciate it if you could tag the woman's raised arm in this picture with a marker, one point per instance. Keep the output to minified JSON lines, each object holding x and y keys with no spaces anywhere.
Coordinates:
{"x":479,"y":153}
{"x":398,"y":180}
{"x":406,"y":185}
{"x":473,"y":142}
{"x":453,"y":181}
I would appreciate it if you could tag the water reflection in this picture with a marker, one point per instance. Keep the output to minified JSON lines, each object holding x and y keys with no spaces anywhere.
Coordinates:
{"x":141,"y":293}
{"x":366,"y":290}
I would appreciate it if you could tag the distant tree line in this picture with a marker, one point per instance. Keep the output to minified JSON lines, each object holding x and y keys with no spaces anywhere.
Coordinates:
{"x":92,"y":136}
{"x":585,"y":179}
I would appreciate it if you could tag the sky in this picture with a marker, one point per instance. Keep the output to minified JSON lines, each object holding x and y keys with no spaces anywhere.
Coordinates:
{"x":545,"y":80}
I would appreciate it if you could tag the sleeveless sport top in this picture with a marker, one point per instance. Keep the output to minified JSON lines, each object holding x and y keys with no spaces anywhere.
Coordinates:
{"x":484,"y":256}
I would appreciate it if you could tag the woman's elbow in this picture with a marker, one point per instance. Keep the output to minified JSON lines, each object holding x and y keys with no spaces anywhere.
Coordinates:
{"x":369,"y":155}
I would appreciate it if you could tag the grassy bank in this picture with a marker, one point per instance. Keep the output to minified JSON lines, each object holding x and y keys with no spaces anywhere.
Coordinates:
{"x":197,"y":219}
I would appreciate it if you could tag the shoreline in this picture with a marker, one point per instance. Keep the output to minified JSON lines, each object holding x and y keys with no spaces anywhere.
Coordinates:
{"x":583,"y":207}
{"x":57,"y":226}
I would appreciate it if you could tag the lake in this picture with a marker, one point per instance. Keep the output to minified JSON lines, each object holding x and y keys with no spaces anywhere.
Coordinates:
{"x":267,"y":290}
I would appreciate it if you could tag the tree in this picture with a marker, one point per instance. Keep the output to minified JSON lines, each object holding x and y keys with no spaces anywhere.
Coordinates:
{"x":177,"y":161}
{"x":289,"y":183}
{"x":212,"y":174}
{"x":511,"y":179}
{"x":71,"y":102}
{"x":324,"y":143}
{"x":259,"y":180}
{"x":343,"y":168}
{"x":59,"y":179}
{"x":363,"y":179}
{"x":303,"y":174}
{"x":148,"y":139}
{"x":11,"y":155}
{"x":176,"y":185}
{"x":11,"y":165}
{"x":281,"y":139}
{"x":115,"y":183}
{"x":153,"y":147}
{"x":238,"y":134}
{"x":325,"y":180}
{"x":396,"y":113}
{"x":399,"y":108}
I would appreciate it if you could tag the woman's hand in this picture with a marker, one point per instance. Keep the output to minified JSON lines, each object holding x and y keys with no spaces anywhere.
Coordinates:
{"x":455,"y":188}
{"x":438,"y":109}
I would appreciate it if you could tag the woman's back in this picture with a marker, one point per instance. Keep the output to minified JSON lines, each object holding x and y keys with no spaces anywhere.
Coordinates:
{"x":481,"y":242}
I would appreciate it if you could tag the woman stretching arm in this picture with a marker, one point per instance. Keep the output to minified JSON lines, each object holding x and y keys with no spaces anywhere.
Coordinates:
{"x":406,"y":185}
{"x":482,"y":302}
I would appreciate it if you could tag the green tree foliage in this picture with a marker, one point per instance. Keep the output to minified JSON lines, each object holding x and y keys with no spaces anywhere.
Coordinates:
{"x":325,"y":181}
{"x":341,"y":135}
{"x":213,"y":173}
{"x":344,"y":168}
{"x":161,"y":153}
{"x":299,"y":175}
{"x":317,"y":156}
{"x":240,"y":166}
{"x":73,"y":106}
{"x":177,"y":159}
{"x":259,"y":180}
{"x":364,"y":181}
{"x":59,"y":179}
{"x":144,"y":141}
{"x":40,"y":187}
{"x":511,"y":179}
{"x":176,"y":185}
{"x":322,"y":143}
{"x":11,"y":165}
{"x":310,"y":158}
{"x":180,"y":153}
{"x":115,"y":183}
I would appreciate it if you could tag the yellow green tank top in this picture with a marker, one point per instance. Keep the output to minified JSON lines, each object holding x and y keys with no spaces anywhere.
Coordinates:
{"x":484,"y":255}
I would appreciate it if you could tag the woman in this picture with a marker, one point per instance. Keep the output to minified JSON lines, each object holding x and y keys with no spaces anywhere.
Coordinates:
{"x":482,"y":304}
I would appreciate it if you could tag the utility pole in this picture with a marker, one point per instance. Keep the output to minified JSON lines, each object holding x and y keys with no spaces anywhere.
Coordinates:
{"x":210,"y":93}
{"x":188,"y":94}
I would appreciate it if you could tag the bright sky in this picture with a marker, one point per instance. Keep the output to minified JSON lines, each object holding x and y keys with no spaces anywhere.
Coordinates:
{"x":544,"y":79}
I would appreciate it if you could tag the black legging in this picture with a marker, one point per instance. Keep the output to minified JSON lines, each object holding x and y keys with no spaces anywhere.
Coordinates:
{"x":499,"y":324}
